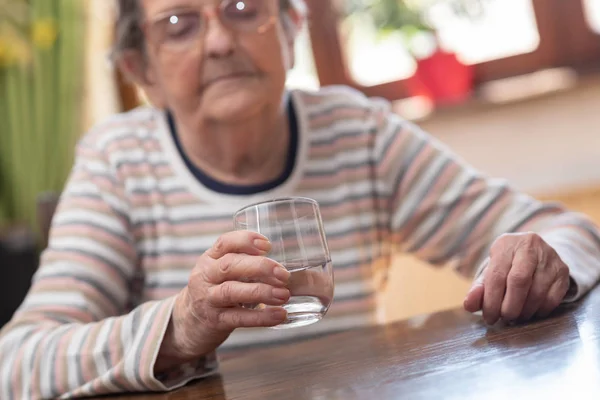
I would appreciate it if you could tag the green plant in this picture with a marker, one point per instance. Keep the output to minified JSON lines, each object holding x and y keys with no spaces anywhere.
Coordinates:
{"x":408,"y":17}
{"x":41,"y":63}
{"x":390,"y":16}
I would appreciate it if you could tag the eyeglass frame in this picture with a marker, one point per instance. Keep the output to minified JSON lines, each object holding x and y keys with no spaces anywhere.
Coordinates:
{"x":206,"y":13}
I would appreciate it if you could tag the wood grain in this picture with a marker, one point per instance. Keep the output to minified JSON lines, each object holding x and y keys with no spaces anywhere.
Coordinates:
{"x":447,"y":355}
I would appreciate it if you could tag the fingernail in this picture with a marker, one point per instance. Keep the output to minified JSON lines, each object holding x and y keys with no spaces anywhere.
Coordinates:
{"x":281,"y":294}
{"x":262,"y":245}
{"x":278,"y":314}
{"x":281,"y":273}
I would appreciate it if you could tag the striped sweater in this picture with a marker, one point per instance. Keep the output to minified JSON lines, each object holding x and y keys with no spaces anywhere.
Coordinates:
{"x":133,"y":220}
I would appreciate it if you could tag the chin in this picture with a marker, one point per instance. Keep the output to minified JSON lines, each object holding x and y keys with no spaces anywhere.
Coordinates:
{"x":238,"y":104}
{"x":236,"y":109}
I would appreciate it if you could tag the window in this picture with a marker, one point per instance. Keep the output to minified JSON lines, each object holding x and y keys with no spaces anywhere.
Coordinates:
{"x":485,"y":30}
{"x":592,"y":13}
{"x":372,"y":58}
{"x":477,"y":30}
{"x":304,"y":73}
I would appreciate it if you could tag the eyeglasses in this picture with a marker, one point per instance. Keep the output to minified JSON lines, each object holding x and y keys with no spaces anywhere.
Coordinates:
{"x":181,"y":30}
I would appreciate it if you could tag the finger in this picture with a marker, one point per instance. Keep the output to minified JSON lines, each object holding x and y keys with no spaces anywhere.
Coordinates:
{"x":494,"y":283}
{"x":518,"y":283}
{"x":230,"y":294}
{"x":542,"y":280}
{"x":474,"y":299}
{"x":244,"y":318}
{"x":555,"y":296}
{"x":245,"y":268}
{"x":246,"y":242}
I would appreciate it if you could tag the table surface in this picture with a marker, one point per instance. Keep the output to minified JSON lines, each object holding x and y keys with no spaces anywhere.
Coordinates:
{"x":447,"y":355}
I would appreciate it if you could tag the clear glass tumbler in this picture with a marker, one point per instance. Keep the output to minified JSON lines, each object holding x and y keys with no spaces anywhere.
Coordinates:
{"x":295,"y":229}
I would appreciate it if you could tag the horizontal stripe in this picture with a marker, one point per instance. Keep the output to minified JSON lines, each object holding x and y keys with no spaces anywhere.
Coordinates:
{"x":132,"y":224}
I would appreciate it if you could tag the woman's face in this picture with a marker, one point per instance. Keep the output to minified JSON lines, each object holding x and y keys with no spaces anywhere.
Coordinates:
{"x":218,"y":67}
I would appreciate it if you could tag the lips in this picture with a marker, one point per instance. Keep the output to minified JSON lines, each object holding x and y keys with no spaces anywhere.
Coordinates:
{"x":226,"y":77}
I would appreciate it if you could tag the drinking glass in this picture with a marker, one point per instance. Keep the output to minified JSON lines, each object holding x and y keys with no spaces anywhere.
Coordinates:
{"x":295,"y":229}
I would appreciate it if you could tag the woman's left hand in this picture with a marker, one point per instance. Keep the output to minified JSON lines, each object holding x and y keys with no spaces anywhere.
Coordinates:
{"x":524,"y":277}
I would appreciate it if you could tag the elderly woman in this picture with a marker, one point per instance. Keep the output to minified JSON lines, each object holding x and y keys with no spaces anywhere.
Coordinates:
{"x":141,"y":282}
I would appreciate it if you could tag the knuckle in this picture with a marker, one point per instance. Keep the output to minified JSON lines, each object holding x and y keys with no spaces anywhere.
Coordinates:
{"x":227,"y":292}
{"x":236,"y":319}
{"x":520,"y":280}
{"x":227,"y":263}
{"x":220,"y":318}
{"x":198,"y":306}
{"x":531,"y":245}
{"x":508,"y":237}
{"x":214,"y":318}
{"x":531,"y":239}
{"x":197,"y":276}
{"x":212,"y":296}
{"x":256,"y":291}
{"x":496,"y":277}
{"x":499,"y":245}
{"x":219,"y":244}
{"x":266,"y":264}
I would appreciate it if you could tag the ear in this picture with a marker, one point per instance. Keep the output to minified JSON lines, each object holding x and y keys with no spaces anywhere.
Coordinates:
{"x":136,"y":69}
{"x":132,"y":64}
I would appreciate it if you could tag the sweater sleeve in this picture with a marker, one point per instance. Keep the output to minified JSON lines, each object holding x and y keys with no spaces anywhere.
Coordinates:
{"x":444,"y":211}
{"x":75,"y":334}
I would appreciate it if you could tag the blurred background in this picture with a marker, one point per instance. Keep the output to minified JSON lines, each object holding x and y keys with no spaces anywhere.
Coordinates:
{"x":513,"y":86}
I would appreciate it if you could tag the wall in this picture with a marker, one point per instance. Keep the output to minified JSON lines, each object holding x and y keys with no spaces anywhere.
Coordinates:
{"x":101,"y":99}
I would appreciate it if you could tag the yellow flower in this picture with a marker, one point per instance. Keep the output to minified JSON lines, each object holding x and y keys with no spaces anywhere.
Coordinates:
{"x":44,"y":33}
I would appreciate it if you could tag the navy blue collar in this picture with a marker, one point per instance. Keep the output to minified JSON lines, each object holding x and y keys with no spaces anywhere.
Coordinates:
{"x":243,"y":190}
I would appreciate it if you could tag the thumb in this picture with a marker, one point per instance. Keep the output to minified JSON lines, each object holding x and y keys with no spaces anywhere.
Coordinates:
{"x":474,"y":300}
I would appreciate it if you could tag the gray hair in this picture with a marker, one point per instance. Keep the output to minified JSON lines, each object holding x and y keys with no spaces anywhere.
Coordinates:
{"x":128,"y":29}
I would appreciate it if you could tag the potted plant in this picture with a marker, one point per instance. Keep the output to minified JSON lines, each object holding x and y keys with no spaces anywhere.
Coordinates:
{"x":40,"y":98}
{"x":440,"y":76}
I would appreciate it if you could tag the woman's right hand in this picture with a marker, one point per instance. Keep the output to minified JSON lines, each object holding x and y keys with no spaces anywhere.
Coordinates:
{"x":233,"y":271}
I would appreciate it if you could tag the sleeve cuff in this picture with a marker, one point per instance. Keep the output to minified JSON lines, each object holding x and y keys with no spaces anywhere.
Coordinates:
{"x":184,"y":373}
{"x":573,"y":292}
{"x":188,"y":372}
{"x":580,"y":280}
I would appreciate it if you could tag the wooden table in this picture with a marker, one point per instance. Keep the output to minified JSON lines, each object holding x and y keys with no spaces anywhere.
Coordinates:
{"x":448,"y":355}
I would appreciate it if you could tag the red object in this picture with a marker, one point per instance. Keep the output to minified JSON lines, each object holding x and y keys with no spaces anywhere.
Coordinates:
{"x":442,"y":78}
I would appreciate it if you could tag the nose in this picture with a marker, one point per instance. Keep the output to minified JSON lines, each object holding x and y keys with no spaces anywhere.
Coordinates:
{"x":218,"y":41}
